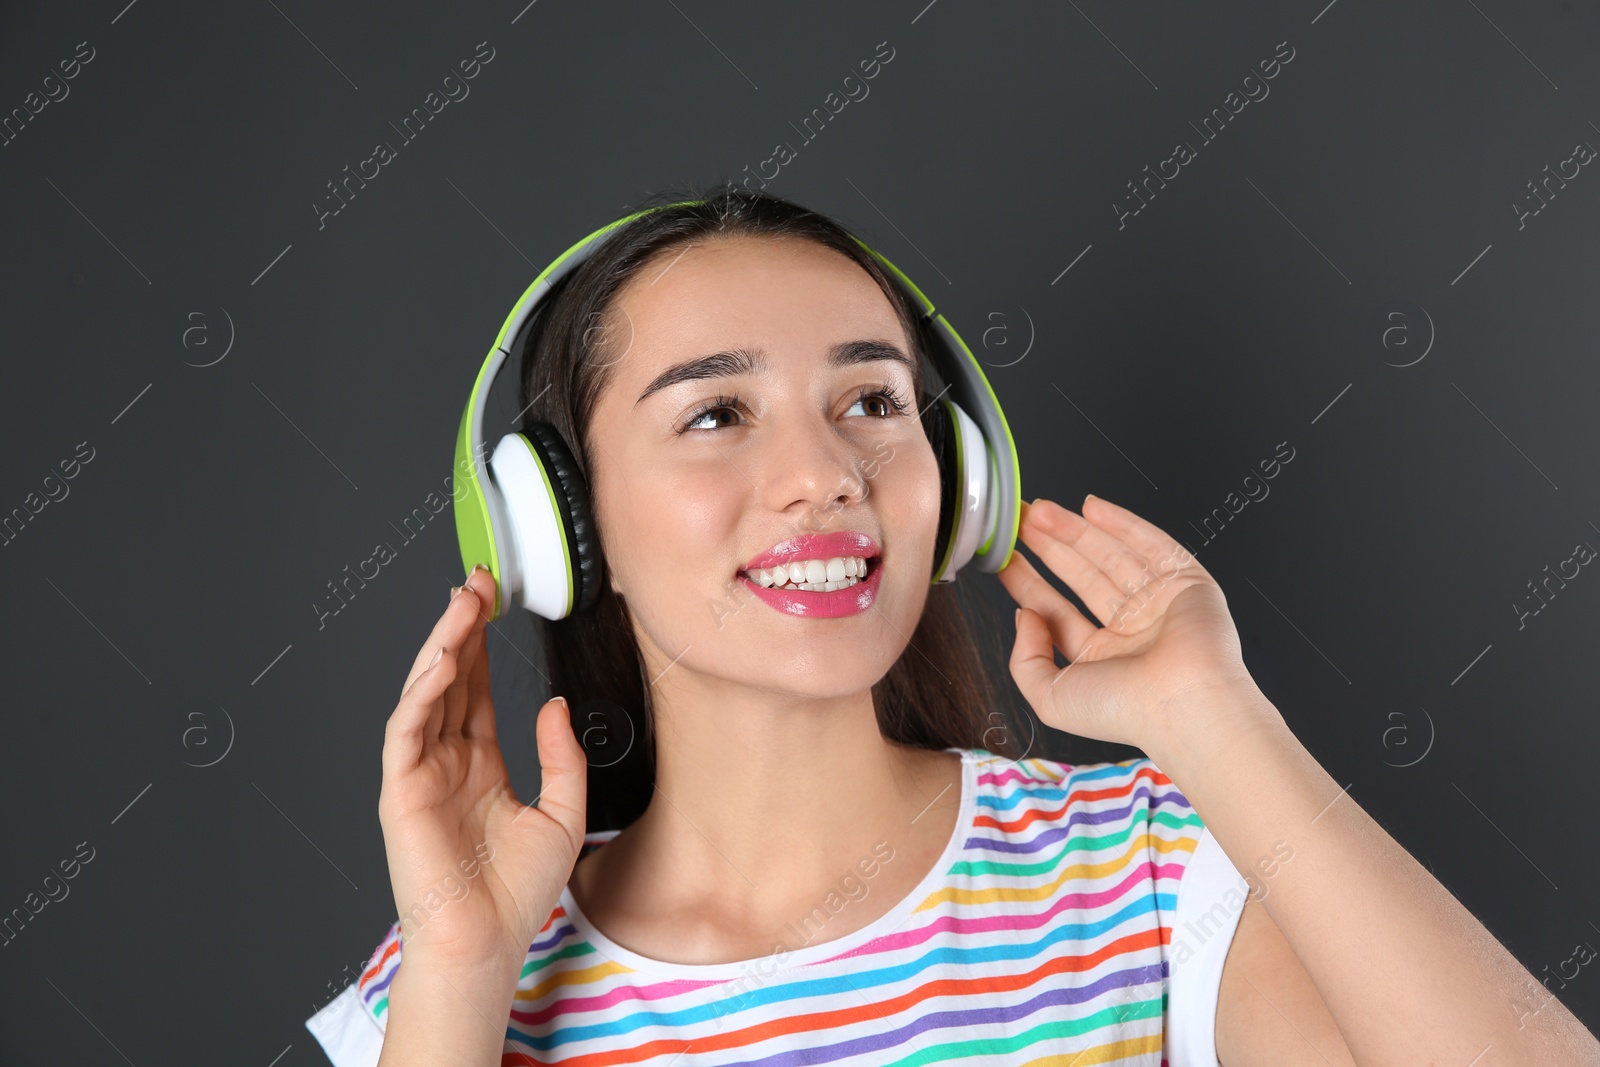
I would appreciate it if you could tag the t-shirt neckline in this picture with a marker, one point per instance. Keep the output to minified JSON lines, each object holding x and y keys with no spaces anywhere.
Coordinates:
{"x":891,"y":920}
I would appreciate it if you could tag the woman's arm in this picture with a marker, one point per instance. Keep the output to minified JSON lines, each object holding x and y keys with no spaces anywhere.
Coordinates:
{"x":1408,"y":974}
{"x":1268,"y":1008}
{"x":435,"y":1019}
{"x":476,"y":874}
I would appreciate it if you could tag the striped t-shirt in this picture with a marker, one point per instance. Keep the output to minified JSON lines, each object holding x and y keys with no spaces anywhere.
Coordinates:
{"x":1079,"y":914}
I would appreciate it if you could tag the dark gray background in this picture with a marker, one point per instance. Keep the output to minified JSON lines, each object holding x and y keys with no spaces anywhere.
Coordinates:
{"x":164,"y":607}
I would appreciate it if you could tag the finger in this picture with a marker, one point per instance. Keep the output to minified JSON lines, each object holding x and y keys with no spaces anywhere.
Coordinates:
{"x":455,"y":698}
{"x":479,"y":721}
{"x":449,"y":632}
{"x":481,"y":583}
{"x":459,"y":700}
{"x":1033,"y":661}
{"x":459,"y":695}
{"x":451,"y":666}
{"x":405,"y":734}
{"x":1124,"y":569}
{"x":1068,"y":628}
{"x":563,"y":769}
{"x":1159,"y":548}
{"x":1097,"y":591}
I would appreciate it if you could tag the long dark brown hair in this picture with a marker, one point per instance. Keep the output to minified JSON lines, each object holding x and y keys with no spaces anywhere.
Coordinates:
{"x":936,"y":695}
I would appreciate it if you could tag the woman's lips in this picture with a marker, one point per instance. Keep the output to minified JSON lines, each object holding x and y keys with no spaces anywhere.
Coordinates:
{"x":805,"y":603}
{"x":801,"y":547}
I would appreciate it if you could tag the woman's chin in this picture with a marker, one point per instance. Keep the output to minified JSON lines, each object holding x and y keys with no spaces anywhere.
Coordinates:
{"x":802,"y":689}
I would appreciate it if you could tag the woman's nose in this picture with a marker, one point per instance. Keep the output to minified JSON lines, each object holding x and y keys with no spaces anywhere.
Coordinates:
{"x":815,"y":470}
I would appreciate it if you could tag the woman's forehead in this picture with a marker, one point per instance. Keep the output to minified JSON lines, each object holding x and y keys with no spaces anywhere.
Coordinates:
{"x":742,"y":278}
{"x":794,"y":298}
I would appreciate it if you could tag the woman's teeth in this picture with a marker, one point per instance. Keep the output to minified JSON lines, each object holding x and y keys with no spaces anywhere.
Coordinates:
{"x":814,"y":575}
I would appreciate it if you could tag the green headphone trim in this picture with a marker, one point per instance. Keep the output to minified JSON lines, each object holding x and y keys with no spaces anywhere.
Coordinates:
{"x":473,"y":522}
{"x":950,"y":542}
{"x":1011,"y":445}
{"x":931,"y":314}
{"x":472,"y":513}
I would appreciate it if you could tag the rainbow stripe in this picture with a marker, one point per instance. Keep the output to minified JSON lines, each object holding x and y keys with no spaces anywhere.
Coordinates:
{"x":1042,"y":935}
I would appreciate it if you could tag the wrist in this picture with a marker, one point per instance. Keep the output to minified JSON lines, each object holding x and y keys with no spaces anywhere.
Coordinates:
{"x":486,"y":971}
{"x":470,"y":997}
{"x":438,"y":1015}
{"x":1205,"y":723}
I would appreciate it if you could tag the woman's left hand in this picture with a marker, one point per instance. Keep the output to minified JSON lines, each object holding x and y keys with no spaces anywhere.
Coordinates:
{"x":1166,"y":632}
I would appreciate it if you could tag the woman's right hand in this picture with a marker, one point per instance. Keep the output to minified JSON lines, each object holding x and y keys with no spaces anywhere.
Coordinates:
{"x":475,"y":872}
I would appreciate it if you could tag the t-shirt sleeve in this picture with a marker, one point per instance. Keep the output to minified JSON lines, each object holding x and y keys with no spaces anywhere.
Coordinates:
{"x":350,"y":1026}
{"x":1211,"y":897}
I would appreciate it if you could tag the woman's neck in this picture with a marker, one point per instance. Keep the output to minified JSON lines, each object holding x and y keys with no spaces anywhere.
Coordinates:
{"x":763,"y":801}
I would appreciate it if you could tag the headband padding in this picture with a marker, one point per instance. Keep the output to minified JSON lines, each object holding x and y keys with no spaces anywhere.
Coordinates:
{"x":941,"y":435}
{"x":573,"y":502}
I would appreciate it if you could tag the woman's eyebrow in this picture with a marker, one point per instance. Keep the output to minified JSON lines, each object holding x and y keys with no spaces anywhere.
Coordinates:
{"x":754,"y":361}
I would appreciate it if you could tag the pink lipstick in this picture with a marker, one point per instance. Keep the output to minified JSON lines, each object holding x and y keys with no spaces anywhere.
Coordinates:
{"x":807,"y":558}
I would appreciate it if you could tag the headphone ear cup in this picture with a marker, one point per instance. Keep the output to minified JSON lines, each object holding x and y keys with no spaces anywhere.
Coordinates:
{"x":967,"y":492}
{"x":572,"y":501}
{"x":938,"y":425}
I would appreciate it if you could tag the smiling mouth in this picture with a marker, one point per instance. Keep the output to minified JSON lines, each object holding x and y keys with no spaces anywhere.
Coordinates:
{"x":814,"y":575}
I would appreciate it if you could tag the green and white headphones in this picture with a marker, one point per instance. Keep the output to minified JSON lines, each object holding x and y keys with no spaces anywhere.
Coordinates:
{"x":526,"y":513}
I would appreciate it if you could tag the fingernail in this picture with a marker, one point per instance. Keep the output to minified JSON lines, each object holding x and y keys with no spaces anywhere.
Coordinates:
{"x":436,"y":654}
{"x":1016,"y":619}
{"x":454,"y":589}
{"x":476,"y":567}
{"x":1090,"y":497}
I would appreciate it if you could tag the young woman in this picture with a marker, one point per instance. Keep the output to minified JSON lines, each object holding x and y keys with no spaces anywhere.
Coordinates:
{"x":832,"y":856}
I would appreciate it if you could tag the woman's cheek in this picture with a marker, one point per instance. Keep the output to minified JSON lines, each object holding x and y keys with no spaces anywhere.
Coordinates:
{"x":918,"y":493}
{"x":683,"y":526}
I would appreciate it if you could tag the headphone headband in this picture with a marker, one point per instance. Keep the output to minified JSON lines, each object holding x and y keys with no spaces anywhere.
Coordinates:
{"x":526,"y":537}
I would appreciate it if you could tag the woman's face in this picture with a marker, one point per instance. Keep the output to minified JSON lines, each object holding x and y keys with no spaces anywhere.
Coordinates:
{"x":700,"y":473}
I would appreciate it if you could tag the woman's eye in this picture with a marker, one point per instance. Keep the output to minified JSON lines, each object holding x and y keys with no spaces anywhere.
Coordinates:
{"x":885,"y":404}
{"x":711,"y":416}
{"x":884,"y":408}
{"x":886,"y":401}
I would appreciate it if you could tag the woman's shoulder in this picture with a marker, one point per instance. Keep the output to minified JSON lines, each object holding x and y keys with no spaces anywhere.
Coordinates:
{"x":1087,"y":799}
{"x":1041,"y":772}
